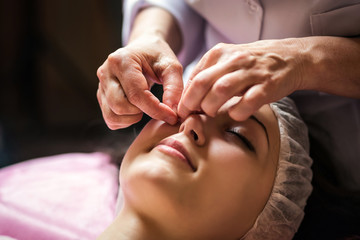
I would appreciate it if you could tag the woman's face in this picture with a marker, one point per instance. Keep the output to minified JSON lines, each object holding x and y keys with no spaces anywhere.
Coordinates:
{"x":205,"y":178}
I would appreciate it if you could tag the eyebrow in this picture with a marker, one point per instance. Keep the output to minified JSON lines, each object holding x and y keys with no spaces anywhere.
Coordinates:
{"x":262,"y":125}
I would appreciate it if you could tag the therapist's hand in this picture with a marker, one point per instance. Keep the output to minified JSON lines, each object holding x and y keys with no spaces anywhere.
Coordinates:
{"x":128,"y":74}
{"x":261,"y":72}
{"x":126,"y":77}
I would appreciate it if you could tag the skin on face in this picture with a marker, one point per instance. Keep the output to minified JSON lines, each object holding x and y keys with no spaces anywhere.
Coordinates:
{"x":200,"y":180}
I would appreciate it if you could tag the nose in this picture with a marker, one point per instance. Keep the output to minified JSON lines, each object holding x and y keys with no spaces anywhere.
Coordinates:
{"x":193,"y":127}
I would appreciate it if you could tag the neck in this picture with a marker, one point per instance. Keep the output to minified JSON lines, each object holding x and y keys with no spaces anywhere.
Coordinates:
{"x":131,"y":226}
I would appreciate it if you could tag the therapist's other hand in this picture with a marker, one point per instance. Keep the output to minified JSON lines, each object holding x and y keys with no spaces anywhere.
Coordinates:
{"x":260,"y":72}
{"x":126,"y":77}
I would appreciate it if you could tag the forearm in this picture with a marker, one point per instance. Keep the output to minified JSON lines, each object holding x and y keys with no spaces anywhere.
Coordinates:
{"x":332,"y":65}
{"x":155,"y":21}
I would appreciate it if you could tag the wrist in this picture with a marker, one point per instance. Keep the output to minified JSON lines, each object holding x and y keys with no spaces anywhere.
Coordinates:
{"x":297,"y":56}
{"x":308,"y":61}
{"x":157,"y":23}
{"x":329,"y":61}
{"x":308,"y":64}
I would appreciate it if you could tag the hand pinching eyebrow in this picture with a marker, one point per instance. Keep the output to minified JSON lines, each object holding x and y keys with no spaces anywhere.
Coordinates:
{"x":248,"y":70}
{"x":128,"y":74}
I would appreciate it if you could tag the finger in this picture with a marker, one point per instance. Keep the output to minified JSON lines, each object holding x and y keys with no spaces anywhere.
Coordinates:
{"x":112,"y":120}
{"x":168,"y":72}
{"x":183,"y":111}
{"x":250,"y":102}
{"x":138,"y":94}
{"x":209,"y":59}
{"x":172,"y":85}
{"x":224,"y":63}
{"x":229,"y":85}
{"x":203,"y":64}
{"x":149,"y":104}
{"x":117,"y":101}
{"x":110,"y":85}
{"x":202,"y":83}
{"x":104,"y":74}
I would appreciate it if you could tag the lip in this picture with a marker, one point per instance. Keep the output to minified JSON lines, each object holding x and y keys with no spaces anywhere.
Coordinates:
{"x":177,"y":149}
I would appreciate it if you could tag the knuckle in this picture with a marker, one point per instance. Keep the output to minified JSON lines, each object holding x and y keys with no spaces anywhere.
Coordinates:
{"x":215,"y":51}
{"x":250,"y":59}
{"x":222,"y":88}
{"x":175,"y":67}
{"x":218,"y":47}
{"x":266,"y":76}
{"x":167,"y":66}
{"x":242,"y":59}
{"x":269,"y":82}
{"x":221,"y":48}
{"x":114,"y":57}
{"x":99,"y":72}
{"x":199,"y":82}
{"x":238,"y":56}
{"x":118,"y":57}
{"x":174,"y":89}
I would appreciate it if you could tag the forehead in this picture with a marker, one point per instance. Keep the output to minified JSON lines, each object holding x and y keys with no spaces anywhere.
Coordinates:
{"x":269,"y":119}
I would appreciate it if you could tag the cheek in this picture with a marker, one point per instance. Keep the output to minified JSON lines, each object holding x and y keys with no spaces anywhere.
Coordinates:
{"x":235,"y":172}
{"x":231,"y":181}
{"x":229,"y":157}
{"x":145,"y":184}
{"x":230,"y":169}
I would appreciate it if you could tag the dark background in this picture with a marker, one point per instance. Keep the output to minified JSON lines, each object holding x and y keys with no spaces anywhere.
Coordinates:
{"x":50,"y":51}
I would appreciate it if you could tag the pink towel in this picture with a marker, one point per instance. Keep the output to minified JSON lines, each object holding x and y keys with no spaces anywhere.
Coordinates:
{"x":68,"y":196}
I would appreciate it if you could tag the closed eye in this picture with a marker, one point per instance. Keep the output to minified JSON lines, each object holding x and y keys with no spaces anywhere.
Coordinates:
{"x":241,"y":137}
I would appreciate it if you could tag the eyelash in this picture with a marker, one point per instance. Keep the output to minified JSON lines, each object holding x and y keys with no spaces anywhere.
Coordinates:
{"x":246,"y":141}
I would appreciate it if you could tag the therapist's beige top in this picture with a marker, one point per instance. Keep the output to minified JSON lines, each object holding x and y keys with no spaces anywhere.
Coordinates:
{"x":242,"y":21}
